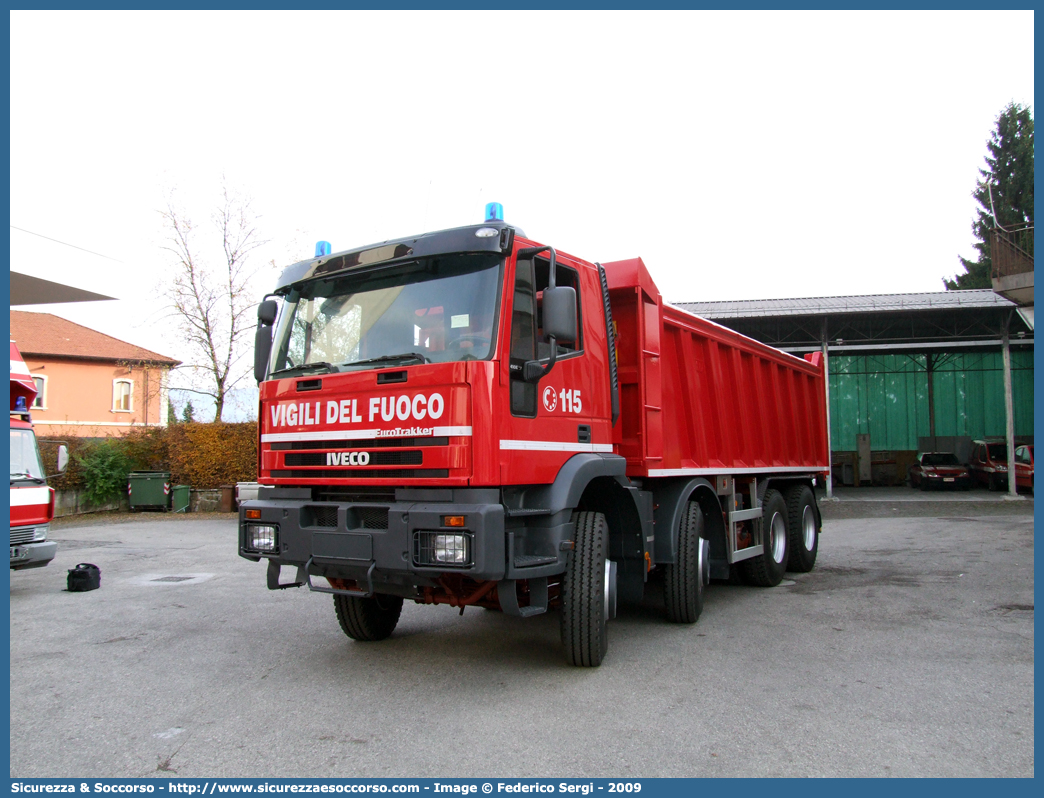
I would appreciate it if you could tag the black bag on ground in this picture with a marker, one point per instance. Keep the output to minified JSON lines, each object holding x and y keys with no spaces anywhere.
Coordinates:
{"x":84,"y":576}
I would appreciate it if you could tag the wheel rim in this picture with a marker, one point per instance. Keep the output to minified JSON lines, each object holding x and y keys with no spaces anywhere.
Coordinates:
{"x":609,"y":601}
{"x":777,"y":537}
{"x":703,"y":565}
{"x":808,"y":528}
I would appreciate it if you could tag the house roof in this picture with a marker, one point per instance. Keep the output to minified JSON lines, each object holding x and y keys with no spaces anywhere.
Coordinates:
{"x":873,"y":303}
{"x":47,"y":335}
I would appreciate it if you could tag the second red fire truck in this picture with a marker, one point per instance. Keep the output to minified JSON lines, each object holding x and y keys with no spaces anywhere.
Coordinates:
{"x":32,"y":499}
{"x":469,"y":417}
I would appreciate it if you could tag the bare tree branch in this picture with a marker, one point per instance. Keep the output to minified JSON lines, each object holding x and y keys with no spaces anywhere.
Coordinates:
{"x":212,"y":301}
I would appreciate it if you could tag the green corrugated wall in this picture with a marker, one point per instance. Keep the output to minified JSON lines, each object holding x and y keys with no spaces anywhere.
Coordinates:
{"x":887,"y":396}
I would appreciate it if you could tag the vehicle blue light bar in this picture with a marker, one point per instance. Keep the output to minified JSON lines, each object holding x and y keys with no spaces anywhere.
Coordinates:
{"x":494,"y":212}
{"x":322,"y":248}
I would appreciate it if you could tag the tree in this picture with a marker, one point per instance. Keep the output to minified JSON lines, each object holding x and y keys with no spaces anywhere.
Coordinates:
{"x":188,"y":411}
{"x":1008,"y":177}
{"x":210,"y":296}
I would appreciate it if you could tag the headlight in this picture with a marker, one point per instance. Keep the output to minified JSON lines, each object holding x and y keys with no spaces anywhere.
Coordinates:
{"x":261,"y":538}
{"x":441,"y":548}
{"x":40,"y":533}
{"x":451,"y":549}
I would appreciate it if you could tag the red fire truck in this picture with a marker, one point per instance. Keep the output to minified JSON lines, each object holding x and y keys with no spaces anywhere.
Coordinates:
{"x":32,"y":500}
{"x":469,"y":417}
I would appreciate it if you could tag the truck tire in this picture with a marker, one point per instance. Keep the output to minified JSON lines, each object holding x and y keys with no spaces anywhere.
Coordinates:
{"x":803,"y":523}
{"x":684,"y":580}
{"x":767,"y":569}
{"x":584,"y":586}
{"x":368,"y":619}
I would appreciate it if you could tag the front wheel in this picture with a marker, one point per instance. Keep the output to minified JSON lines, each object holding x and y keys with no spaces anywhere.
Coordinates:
{"x":368,"y":619}
{"x":586,"y":593}
{"x":684,"y":579}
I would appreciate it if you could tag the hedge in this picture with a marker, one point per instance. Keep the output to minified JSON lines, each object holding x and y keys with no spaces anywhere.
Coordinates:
{"x":197,"y":454}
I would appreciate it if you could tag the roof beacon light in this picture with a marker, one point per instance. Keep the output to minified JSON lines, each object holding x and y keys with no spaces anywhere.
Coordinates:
{"x":494,"y":212}
{"x":322,"y":248}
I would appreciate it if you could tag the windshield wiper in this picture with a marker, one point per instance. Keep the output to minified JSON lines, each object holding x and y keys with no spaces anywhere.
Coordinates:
{"x":304,"y":368}
{"x":26,"y":475}
{"x":383,"y":358}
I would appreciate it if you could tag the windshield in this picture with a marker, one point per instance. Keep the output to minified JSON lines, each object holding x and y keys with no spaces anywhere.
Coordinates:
{"x":25,"y":457}
{"x":998,"y":451}
{"x":433,"y":311}
{"x":940,"y":460}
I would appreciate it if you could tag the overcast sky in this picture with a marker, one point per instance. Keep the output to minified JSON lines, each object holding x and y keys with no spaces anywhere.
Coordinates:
{"x":741,"y":155}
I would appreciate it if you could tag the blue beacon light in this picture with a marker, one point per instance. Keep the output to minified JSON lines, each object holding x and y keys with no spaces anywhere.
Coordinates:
{"x":322,"y":248}
{"x":494,"y":212}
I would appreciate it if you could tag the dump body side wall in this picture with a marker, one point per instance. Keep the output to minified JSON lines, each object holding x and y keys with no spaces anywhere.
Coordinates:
{"x":697,"y":397}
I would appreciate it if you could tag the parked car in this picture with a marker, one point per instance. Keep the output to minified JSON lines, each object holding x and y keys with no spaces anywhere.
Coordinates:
{"x":939,"y":470}
{"x":1024,"y":467}
{"x":989,"y":464}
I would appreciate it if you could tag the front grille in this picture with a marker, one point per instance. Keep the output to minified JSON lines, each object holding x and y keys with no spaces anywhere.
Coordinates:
{"x":19,"y":536}
{"x":372,"y":517}
{"x":377,"y":443}
{"x":321,"y":515}
{"x":377,"y":458}
{"x":354,"y":495}
{"x":424,"y":545}
{"x":364,"y":473}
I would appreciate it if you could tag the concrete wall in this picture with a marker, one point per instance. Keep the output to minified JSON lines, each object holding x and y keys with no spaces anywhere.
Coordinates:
{"x":73,"y":502}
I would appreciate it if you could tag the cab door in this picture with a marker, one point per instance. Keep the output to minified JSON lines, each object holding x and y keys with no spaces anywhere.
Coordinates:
{"x":545,"y":422}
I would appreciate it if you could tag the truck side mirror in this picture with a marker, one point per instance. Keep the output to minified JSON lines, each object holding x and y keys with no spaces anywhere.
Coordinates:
{"x":63,"y":458}
{"x":559,"y":308}
{"x":266,"y":316}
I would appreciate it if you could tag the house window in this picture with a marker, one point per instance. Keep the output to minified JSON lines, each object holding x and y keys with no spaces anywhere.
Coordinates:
{"x":40,"y":402}
{"x":122,"y":392}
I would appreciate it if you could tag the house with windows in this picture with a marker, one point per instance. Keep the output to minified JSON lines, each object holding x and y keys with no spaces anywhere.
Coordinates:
{"x":89,"y":384}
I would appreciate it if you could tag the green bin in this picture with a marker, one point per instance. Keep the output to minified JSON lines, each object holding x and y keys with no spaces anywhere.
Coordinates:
{"x":149,"y":490}
{"x":180,"y":498}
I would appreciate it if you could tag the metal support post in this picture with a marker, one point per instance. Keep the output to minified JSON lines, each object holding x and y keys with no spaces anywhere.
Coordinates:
{"x":1009,"y":410}
{"x":826,"y":385}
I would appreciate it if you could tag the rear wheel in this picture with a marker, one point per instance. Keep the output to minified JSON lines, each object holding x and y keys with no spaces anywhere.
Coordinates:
{"x":803,"y":525}
{"x":586,"y":594}
{"x":368,"y":619}
{"x":767,"y":569}
{"x":684,"y":580}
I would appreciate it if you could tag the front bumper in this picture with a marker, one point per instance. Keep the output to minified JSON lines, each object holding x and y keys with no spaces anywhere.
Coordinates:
{"x":381,"y":544}
{"x":940,"y":481}
{"x":32,"y":555}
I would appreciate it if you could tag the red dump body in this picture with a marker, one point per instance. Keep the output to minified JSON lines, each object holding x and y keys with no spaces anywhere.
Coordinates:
{"x":698,"y":398}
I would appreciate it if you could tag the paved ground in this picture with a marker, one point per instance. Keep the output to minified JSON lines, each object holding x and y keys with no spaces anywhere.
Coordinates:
{"x":907,"y":652}
{"x":907,"y":503}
